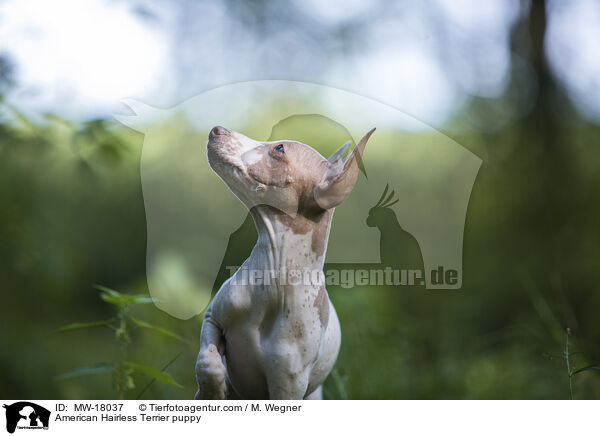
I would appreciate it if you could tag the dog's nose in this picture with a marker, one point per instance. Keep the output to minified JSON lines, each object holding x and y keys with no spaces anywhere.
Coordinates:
{"x":218,"y":130}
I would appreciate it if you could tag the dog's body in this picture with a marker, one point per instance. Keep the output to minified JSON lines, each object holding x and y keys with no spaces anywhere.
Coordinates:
{"x":267,"y":336}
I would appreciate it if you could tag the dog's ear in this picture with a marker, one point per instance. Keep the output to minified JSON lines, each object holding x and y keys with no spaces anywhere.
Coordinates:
{"x":340,"y":175}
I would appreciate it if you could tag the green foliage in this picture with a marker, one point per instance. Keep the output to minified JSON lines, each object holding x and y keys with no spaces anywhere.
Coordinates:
{"x":98,"y":368}
{"x":567,"y":356}
{"x":113,"y":297}
{"x":586,"y":368}
{"x":151,"y":382}
{"x":73,"y":215}
{"x":155,"y":373}
{"x":123,"y":369}
{"x":157,"y":329}
{"x":336,"y":387}
{"x":84,"y":325}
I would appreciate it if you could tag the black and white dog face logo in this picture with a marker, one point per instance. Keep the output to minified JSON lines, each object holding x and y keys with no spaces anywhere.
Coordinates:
{"x":24,"y":414}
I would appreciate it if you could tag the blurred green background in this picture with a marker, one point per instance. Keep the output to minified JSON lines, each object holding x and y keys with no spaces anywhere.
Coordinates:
{"x":72,"y":216}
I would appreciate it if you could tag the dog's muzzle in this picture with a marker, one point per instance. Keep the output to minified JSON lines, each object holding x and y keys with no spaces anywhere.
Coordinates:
{"x":218,"y":131}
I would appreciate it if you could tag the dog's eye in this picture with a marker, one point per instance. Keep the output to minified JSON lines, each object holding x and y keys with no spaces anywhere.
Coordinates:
{"x":279,"y":148}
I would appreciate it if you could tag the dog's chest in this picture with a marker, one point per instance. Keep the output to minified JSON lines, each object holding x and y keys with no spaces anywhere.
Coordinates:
{"x":285,"y":326}
{"x":301,"y":316}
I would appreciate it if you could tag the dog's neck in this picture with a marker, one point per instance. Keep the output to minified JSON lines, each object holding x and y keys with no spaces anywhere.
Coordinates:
{"x":284,"y":242}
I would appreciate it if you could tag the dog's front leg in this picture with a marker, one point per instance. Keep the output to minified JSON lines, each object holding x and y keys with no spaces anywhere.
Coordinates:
{"x":282,"y":387}
{"x":210,"y":370}
{"x":287,"y":375}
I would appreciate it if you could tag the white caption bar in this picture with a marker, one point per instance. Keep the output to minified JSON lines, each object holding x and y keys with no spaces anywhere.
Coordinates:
{"x":298,"y":417}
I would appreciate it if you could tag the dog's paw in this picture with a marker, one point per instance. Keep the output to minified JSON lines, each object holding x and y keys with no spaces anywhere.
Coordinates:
{"x":210,"y":375}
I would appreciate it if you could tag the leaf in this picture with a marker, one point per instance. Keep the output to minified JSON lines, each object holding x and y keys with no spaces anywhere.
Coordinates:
{"x":163,"y":369}
{"x":595,"y":366}
{"x":99,"y":368}
{"x":157,"y":329}
{"x":83,"y":325}
{"x":156,"y":373}
{"x":113,"y":297}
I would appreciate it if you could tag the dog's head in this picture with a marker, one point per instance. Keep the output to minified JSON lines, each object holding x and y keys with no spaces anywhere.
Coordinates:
{"x":287,"y":175}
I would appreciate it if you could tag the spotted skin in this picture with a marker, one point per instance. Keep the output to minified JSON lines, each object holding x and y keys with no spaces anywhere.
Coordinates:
{"x":277,"y":339}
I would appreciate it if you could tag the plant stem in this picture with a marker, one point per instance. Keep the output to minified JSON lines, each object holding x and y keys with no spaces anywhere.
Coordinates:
{"x":122,"y":371}
{"x":569,"y":372}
